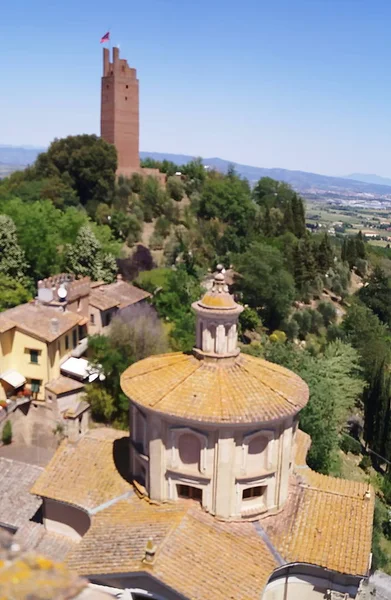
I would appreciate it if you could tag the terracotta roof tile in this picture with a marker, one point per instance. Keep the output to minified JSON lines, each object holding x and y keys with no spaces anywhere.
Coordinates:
{"x":188,"y":542}
{"x":120,"y":294}
{"x":248,"y":390}
{"x":326,"y":521}
{"x":62,"y":384}
{"x":84,"y":474}
{"x":17,"y":504}
{"x":35,"y":318}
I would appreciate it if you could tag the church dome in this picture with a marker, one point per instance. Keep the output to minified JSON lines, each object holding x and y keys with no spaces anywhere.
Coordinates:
{"x":246,"y":390}
{"x":215,"y":384}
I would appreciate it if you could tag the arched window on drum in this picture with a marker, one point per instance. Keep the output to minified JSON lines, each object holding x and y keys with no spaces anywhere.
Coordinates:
{"x":189,"y":451}
{"x":256,"y":455}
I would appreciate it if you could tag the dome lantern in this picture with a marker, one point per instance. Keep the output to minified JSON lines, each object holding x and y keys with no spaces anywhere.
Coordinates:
{"x":217,"y":321}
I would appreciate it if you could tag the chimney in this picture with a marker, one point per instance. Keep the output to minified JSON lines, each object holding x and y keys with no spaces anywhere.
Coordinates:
{"x":115,"y":55}
{"x":150,"y":551}
{"x":54,"y":326}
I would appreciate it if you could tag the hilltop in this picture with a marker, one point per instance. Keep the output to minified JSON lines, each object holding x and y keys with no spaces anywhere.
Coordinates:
{"x":13,"y":158}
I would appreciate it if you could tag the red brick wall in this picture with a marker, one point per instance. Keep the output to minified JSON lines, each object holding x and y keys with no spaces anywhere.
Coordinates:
{"x":120,"y":109}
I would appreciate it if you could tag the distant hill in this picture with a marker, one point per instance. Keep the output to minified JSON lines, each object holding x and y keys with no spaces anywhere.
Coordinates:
{"x":18,"y":155}
{"x":13,"y":158}
{"x":299,"y":180}
{"x":370,"y":178}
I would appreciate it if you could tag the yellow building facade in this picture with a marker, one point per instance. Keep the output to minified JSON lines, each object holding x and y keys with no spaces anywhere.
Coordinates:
{"x":34,"y":341}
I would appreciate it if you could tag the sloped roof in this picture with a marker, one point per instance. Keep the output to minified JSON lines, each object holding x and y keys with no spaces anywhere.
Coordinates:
{"x":119,"y":294}
{"x":17,"y":503}
{"x":244,"y":391}
{"x":84,"y":474}
{"x":326,"y":522}
{"x":189,"y":542}
{"x":62,"y":385}
{"x":330,"y":509}
{"x":36,"y":319}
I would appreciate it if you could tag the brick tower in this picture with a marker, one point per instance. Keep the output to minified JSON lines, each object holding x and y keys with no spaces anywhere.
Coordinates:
{"x":119,"y":119}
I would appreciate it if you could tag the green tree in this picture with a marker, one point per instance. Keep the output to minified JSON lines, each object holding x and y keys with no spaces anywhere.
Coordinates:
{"x":360,"y":246}
{"x":87,"y":162}
{"x":175,"y":188}
{"x":101,"y":401}
{"x":86,"y":258}
{"x":265,"y":283}
{"x":12,"y":258}
{"x":195,"y":175}
{"x":126,"y":343}
{"x":376,"y":295}
{"x":328,"y":312}
{"x":324,"y":254}
{"x":228,"y":199}
{"x":377,"y":409}
{"x":173,"y":303}
{"x":6,"y":434}
{"x":298,"y":213}
{"x":126,"y":226}
{"x":335,"y":384}
{"x":12,"y":293}
{"x":371,"y":338}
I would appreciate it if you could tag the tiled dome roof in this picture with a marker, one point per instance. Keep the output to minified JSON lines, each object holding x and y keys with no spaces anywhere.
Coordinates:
{"x":243,"y":391}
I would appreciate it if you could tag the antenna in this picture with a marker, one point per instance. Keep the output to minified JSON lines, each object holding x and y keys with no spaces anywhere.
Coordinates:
{"x":62,"y":292}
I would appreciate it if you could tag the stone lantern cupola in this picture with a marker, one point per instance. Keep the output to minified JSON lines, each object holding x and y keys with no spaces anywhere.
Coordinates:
{"x":215,"y":425}
{"x":217,"y":321}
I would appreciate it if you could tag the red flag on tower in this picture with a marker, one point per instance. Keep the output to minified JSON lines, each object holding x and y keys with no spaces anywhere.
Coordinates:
{"x":105,"y":38}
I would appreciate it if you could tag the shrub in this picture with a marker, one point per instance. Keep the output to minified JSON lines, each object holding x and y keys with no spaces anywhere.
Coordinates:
{"x":328,"y":312}
{"x":249,"y":320}
{"x":386,"y":489}
{"x":349,"y":444}
{"x":162,"y":227}
{"x":156,"y":242}
{"x":175,"y":188}
{"x":6,"y":436}
{"x":365,"y":463}
{"x":291,"y":329}
{"x":278,"y":336}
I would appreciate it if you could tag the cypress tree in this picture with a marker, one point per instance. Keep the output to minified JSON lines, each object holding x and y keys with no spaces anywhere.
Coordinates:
{"x":351,"y":253}
{"x":325,"y":254}
{"x":377,"y":410}
{"x":360,"y":245}
{"x":288,"y":223}
{"x":298,"y":216}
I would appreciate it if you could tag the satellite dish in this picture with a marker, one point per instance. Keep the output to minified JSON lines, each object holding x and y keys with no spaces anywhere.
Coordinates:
{"x":62,"y":293}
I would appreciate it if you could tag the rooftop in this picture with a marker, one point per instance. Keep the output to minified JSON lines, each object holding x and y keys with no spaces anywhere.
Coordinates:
{"x":188,"y":541}
{"x":119,"y":294}
{"x":36,"y":319}
{"x":85,"y":474}
{"x":17,"y":504}
{"x":244,"y":391}
{"x":62,"y":385}
{"x":326,"y":521}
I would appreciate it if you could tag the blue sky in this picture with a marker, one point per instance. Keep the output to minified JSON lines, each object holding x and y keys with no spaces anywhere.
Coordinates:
{"x":298,"y":84}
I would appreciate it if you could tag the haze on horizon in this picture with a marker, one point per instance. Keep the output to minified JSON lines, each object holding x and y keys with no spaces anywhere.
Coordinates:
{"x":299,"y":85}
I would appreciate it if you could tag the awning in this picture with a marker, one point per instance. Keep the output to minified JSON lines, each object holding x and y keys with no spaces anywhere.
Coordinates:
{"x":13,"y":378}
{"x":81,"y":369}
{"x":80,"y":349}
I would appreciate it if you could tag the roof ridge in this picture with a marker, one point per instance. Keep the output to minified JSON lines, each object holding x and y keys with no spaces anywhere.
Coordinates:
{"x":312,"y":487}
